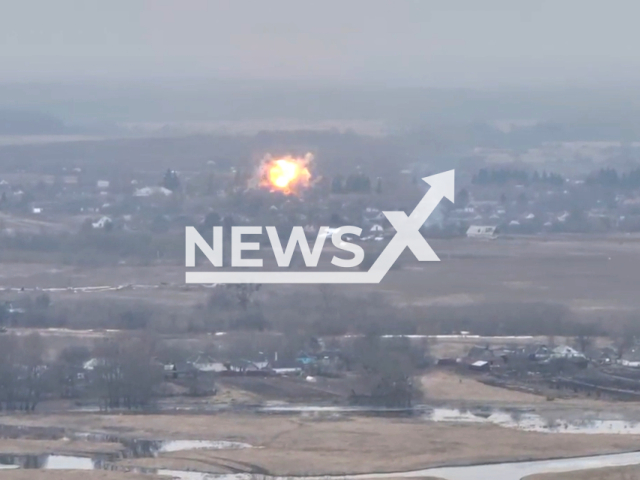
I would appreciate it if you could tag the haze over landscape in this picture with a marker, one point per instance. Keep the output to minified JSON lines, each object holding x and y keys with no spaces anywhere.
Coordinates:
{"x":162,"y":61}
{"x":450,"y":44}
{"x":126,"y":124}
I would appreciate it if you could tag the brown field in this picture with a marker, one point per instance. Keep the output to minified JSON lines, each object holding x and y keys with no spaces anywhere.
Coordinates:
{"x":299,"y":445}
{"x":586,"y":274}
{"x":617,"y":473}
{"x":443,"y":385}
{"x":57,"y":447}
{"x":593,"y":276}
{"x":74,"y":475}
{"x":447,"y":386}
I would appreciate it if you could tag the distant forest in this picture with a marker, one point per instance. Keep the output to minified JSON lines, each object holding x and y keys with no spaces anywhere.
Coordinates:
{"x":609,"y":177}
{"x":551,"y":115}
{"x":15,"y":122}
{"x":502,"y":176}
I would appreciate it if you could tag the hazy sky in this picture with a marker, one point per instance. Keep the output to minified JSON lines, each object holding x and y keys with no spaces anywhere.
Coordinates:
{"x":476,"y":43}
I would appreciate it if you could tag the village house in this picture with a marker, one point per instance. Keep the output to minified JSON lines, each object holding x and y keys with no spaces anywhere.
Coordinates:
{"x":484,"y":232}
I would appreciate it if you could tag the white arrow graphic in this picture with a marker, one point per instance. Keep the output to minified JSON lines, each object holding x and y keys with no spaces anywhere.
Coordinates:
{"x":407,"y":236}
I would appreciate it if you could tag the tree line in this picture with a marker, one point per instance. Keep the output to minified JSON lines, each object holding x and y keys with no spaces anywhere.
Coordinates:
{"x":502,"y":176}
{"x":124,"y":374}
{"x":609,"y":177}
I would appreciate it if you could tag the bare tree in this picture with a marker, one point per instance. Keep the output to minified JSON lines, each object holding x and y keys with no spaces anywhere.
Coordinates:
{"x":126,"y":374}
{"x":585,"y":337}
{"x":245,"y":293}
{"x":625,"y":338}
{"x":389,"y":365}
{"x":24,"y":377}
{"x":34,"y":376}
{"x":328,"y":305}
{"x":9,"y":350}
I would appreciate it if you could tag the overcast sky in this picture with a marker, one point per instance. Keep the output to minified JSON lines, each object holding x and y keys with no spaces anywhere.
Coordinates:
{"x":470,"y":43}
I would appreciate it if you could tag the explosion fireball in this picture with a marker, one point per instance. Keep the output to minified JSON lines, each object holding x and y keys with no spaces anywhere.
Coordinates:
{"x":288,"y":174}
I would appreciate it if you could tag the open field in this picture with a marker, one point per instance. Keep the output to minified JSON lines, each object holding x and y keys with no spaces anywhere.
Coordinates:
{"x":19,"y":446}
{"x":586,"y":274}
{"x":618,"y":473}
{"x":99,"y":475}
{"x":451,"y":387}
{"x":593,"y":276}
{"x":298,"y":445}
{"x":444,"y":386}
{"x":77,"y":475}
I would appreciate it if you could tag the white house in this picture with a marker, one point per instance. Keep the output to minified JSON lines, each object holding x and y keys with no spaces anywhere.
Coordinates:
{"x":204,"y":363}
{"x":564,"y":351}
{"x":102,"y":223}
{"x":479,"y":231}
{"x":149,"y":191}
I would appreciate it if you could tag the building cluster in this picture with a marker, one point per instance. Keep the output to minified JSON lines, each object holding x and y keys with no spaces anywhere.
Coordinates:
{"x":504,"y":201}
{"x":558,"y":370}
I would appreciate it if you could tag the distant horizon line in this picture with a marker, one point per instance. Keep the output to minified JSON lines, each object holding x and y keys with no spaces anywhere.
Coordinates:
{"x":309,"y":84}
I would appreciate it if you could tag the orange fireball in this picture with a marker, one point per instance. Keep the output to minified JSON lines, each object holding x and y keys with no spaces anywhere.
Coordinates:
{"x":287,"y":174}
